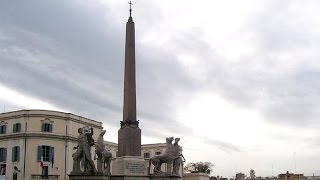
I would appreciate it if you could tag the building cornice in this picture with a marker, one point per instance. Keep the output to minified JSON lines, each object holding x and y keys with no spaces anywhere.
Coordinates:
{"x":58,"y":115}
{"x":37,"y":135}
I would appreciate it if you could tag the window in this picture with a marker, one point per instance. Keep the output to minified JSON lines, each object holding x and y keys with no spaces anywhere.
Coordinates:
{"x":46,"y":127}
{"x":146,"y":155}
{"x":17,"y":127}
{"x":46,"y":152}
{"x":3,"y":129}
{"x":158,"y":153}
{"x":3,"y":154}
{"x":15,"y":153}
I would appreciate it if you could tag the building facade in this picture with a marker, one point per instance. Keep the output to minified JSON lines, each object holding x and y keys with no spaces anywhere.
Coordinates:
{"x":29,"y":137}
{"x":291,"y":176}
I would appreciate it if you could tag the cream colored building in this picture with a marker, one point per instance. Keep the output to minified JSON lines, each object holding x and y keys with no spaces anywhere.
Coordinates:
{"x":27,"y":135}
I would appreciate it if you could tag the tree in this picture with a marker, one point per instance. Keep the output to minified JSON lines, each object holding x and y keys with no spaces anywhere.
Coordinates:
{"x":199,"y":167}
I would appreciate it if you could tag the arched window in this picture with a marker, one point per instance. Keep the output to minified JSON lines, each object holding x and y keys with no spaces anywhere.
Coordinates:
{"x":47,"y":125}
{"x":3,"y":127}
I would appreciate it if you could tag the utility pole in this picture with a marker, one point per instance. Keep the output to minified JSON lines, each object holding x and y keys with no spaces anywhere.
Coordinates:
{"x":295,"y":165}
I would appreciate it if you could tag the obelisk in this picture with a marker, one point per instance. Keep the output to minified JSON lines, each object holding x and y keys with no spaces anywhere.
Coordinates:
{"x":129,"y":134}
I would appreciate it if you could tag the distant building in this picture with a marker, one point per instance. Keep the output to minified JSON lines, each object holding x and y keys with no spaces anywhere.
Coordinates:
{"x":240,"y":176}
{"x":313,"y":177}
{"x":291,"y":176}
{"x":252,"y":174}
{"x":218,"y":178}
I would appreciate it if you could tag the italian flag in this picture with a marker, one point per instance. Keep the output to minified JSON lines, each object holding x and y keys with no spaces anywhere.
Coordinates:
{"x":41,"y":162}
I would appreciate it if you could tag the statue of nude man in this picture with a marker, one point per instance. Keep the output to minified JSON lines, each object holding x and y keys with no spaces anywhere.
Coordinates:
{"x":83,"y":150}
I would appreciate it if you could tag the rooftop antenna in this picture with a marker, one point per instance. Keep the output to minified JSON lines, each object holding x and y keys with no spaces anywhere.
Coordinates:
{"x":295,"y":164}
{"x":130,"y":10}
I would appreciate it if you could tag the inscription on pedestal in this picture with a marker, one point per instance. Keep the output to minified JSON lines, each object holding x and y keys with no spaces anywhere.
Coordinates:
{"x":135,"y":168}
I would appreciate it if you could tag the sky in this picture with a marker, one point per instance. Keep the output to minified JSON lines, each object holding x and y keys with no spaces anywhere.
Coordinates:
{"x":237,"y":81}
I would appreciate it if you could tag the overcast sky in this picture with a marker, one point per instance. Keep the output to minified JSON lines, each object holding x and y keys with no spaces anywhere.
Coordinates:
{"x":237,"y":81}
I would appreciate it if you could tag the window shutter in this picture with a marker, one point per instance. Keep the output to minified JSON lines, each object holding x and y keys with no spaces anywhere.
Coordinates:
{"x":50,"y":127}
{"x":14,"y":128}
{"x":18,"y":153}
{"x":13,"y":152}
{"x":18,"y":127}
{"x":1,"y":154}
{"x":5,"y":154}
{"x":39,"y":153}
{"x":4,"y":129}
{"x":42,"y":127}
{"x":51,"y":156}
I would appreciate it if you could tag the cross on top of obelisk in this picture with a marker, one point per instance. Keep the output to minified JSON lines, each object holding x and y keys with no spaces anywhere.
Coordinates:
{"x":130,"y":10}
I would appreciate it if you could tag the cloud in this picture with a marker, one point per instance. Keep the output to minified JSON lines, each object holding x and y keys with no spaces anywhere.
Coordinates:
{"x":81,"y":69}
{"x":222,"y":145}
{"x":257,"y":56}
{"x":275,"y":70}
{"x":60,"y":67}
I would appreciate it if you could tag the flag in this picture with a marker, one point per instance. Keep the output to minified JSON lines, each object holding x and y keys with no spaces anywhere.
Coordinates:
{"x":52,"y":159}
{"x":41,"y":162}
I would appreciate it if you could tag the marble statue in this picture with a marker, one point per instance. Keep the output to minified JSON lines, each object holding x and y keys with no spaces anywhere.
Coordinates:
{"x":177,"y":161}
{"x":104,"y":156}
{"x":85,"y":141}
{"x":171,"y":154}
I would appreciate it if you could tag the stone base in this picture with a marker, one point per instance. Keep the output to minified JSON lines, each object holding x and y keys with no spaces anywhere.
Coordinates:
{"x":129,"y":177}
{"x":86,"y":177}
{"x":163,"y":177}
{"x":129,"y":142}
{"x":130,"y":166}
{"x":196,"y":176}
{"x":114,"y":177}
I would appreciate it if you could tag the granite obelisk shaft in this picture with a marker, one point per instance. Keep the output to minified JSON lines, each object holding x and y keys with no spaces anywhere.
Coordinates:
{"x":129,"y":135}
{"x":129,"y":100}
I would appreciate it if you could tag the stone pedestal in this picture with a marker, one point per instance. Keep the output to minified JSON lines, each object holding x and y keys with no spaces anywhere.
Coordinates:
{"x":86,"y":177}
{"x":129,"y":142}
{"x":196,"y":176}
{"x":122,"y":177}
{"x":130,"y":167}
{"x":99,"y":166}
{"x":164,"y":177}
